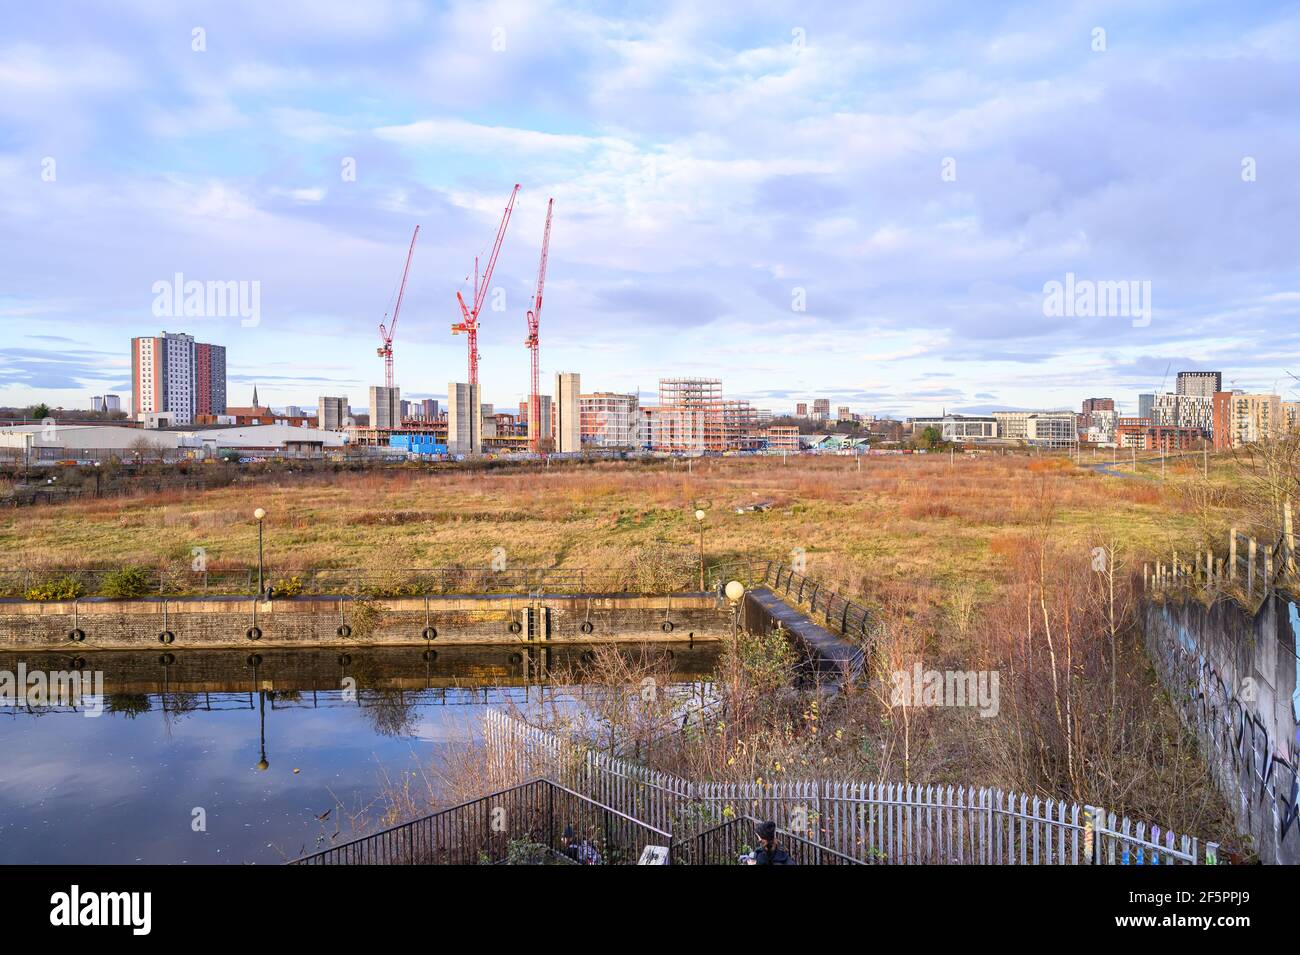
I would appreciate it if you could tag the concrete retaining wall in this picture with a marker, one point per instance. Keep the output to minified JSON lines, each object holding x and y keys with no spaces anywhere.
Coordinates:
{"x":1232,"y":677}
{"x":315,"y":621}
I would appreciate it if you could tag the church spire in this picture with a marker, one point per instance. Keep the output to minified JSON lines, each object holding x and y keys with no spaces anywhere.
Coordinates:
{"x":255,"y":404}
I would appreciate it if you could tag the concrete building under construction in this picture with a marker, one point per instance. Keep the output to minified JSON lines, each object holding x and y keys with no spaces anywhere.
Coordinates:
{"x":693,"y":417}
{"x":385,"y":407}
{"x":544,"y":422}
{"x":568,"y":424}
{"x":464,"y":418}
{"x":610,"y":420}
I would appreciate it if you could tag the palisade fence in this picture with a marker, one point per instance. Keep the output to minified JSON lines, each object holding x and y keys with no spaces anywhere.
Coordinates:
{"x":391,"y":582}
{"x":835,"y":612}
{"x":865,"y":822}
{"x":1247,"y":565}
{"x":524,"y":824}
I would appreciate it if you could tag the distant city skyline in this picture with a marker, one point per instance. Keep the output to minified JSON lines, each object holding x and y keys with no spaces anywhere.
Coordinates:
{"x":862,"y":205}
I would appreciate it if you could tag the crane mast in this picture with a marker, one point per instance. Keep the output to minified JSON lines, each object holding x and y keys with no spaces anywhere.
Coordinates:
{"x":469,"y":314}
{"x":534,"y":319}
{"x":385,"y":351}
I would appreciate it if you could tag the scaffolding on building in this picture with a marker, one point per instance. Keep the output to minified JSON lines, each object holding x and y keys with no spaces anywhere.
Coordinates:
{"x":694,"y":417}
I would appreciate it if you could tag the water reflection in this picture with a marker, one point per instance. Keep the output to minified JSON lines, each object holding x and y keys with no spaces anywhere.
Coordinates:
{"x":264,"y":742}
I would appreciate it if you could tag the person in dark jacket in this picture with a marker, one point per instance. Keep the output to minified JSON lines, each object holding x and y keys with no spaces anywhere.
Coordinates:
{"x":580,"y":851}
{"x":768,"y":852}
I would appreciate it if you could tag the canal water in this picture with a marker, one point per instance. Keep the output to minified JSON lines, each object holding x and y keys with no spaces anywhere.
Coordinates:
{"x":224,"y":756}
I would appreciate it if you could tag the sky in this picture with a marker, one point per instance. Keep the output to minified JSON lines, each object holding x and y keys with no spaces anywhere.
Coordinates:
{"x":860,"y":202}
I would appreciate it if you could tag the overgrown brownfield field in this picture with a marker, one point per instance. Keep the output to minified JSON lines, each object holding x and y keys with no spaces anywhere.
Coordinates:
{"x":968,"y":562}
{"x":919,"y":521}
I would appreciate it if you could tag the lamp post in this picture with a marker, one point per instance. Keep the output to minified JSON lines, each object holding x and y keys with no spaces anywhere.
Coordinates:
{"x":699,"y":519}
{"x":260,"y":516}
{"x":263,"y":764}
{"x":734,"y":591}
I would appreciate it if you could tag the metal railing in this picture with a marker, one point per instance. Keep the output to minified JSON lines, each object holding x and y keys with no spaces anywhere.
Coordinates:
{"x":827,"y":607}
{"x":725,"y":843}
{"x":393,"y":582}
{"x":870,"y":822}
{"x":536,"y":822}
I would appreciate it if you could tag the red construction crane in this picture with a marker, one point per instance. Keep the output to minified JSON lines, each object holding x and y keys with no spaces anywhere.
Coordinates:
{"x":469,"y":315}
{"x":534,"y":318}
{"x":385,"y":351}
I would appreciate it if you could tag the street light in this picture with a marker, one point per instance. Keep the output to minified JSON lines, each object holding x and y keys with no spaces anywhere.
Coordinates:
{"x":699,"y":519}
{"x":734,"y":591}
{"x":260,"y":516}
{"x":263,"y":764}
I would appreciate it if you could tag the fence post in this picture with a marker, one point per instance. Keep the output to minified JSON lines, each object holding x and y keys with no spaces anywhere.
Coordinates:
{"x":1288,"y":534}
{"x":988,"y":827}
{"x":1250,"y":568}
{"x":1091,"y":843}
{"x":1232,"y":554}
{"x":1209,"y":566}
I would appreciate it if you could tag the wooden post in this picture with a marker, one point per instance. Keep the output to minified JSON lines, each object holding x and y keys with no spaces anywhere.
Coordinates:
{"x":1268,"y":570}
{"x":1145,"y":575}
{"x":1250,"y":568}
{"x":1209,"y":566}
{"x":1288,"y":534}
{"x":1232,"y":555}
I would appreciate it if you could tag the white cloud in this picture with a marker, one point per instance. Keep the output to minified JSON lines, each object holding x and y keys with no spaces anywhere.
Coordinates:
{"x":456,"y":134}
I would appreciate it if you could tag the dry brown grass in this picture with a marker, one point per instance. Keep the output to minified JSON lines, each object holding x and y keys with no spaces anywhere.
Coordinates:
{"x":923,"y":521}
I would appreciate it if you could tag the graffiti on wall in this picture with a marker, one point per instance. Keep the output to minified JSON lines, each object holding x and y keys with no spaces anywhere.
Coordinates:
{"x":1258,"y":772}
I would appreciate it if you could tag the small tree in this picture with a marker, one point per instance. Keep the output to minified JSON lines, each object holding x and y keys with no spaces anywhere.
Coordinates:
{"x":125,"y":584}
